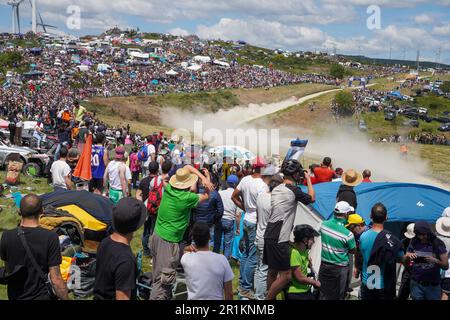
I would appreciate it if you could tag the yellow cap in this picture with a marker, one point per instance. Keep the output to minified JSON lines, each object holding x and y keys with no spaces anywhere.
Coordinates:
{"x":355,"y":219}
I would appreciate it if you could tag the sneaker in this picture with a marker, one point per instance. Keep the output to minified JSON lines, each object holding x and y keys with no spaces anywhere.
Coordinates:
{"x":249,"y":294}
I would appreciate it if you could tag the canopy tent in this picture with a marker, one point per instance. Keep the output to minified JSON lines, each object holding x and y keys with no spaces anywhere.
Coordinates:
{"x":184,"y":64}
{"x":102,"y":67}
{"x":233,"y":151}
{"x":86,"y":62}
{"x":221,"y":63}
{"x":171,"y":73}
{"x":139,"y":55}
{"x":202,"y":59}
{"x":405,"y":202}
{"x":396,"y":94}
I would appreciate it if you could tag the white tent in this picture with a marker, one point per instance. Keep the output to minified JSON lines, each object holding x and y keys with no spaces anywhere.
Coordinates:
{"x":221,"y":63}
{"x":184,"y":65}
{"x":103,"y":67}
{"x":171,"y":73}
{"x":195,"y":67}
{"x":202,"y":59}
{"x":139,"y":55}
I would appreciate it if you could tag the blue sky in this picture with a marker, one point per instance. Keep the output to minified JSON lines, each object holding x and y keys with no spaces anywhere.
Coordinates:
{"x":405,"y":25}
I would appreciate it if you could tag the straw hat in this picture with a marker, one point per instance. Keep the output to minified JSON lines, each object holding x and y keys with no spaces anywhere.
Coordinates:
{"x":183,"y":179}
{"x":351,"y":178}
{"x":443,"y":226}
{"x":410,"y":231}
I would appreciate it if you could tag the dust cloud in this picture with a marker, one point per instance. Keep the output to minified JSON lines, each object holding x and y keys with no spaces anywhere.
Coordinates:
{"x":347,"y":148}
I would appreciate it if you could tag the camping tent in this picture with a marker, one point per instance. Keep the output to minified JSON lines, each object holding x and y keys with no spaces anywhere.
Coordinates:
{"x":94,"y":211}
{"x":396,"y":94}
{"x":405,"y":202}
{"x":139,"y":55}
{"x":194,"y":67}
{"x":221,"y":63}
{"x":171,"y":73}
{"x":202,"y":59}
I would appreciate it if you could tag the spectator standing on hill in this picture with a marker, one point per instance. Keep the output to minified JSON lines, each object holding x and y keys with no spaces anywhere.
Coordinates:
{"x":115,"y":174}
{"x":350,"y":179}
{"x":61,"y":172}
{"x":443,"y":231}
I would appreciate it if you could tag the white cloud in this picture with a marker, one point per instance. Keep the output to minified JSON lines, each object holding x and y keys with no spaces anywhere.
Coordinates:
{"x":179,"y":32}
{"x":443,"y":30}
{"x":265,"y":33}
{"x":424,"y":19}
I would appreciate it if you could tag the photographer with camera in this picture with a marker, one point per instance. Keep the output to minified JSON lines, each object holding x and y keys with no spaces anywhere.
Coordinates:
{"x":280,"y":224}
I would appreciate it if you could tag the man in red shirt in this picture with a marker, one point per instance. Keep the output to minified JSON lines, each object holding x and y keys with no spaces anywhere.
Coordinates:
{"x":325,"y":172}
{"x":366,"y":175}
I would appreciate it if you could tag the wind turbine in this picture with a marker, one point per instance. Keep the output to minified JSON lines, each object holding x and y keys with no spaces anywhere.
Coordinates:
{"x":34,"y":19}
{"x":15,"y":17}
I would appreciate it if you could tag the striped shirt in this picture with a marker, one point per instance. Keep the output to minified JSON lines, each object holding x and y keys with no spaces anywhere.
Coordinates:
{"x":337,"y":241}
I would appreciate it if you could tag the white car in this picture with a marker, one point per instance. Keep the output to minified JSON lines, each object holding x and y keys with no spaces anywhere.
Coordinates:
{"x":422,"y":110}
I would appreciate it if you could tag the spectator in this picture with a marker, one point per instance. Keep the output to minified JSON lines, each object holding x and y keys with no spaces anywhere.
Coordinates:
{"x":116,"y":266}
{"x":443,"y":230}
{"x":357,"y":226}
{"x":244,"y":196}
{"x":338,"y":175}
{"x":135,"y":167}
{"x":301,"y":284}
{"x":380,"y":250}
{"x":27,"y":283}
{"x":171,"y":224}
{"x":366,"y":175}
{"x":99,"y":162}
{"x":350,"y":179}
{"x":264,"y":209}
{"x":337,"y":243}
{"x":115,"y":174}
{"x":142,"y":194}
{"x":61,"y":172}
{"x":280,"y":224}
{"x":231,"y":215}
{"x":325,"y":172}
{"x":151,"y":152}
{"x":405,"y":286}
{"x":208,"y":274}
{"x":428,"y":256}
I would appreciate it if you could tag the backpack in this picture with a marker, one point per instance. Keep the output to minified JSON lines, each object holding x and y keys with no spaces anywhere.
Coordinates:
{"x":143,"y":153}
{"x":154,"y":197}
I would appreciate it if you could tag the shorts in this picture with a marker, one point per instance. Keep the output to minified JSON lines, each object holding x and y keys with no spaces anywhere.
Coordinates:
{"x":445,"y":285}
{"x":96,"y":184}
{"x":115,"y":195}
{"x":277,"y":255}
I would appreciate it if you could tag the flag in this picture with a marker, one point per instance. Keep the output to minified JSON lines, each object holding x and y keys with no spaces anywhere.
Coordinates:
{"x":83,"y":168}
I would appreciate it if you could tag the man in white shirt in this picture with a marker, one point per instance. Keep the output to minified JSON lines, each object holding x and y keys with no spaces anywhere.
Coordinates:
{"x":244,"y":196}
{"x":208,"y":274}
{"x":151,"y":151}
{"x":231,"y":213}
{"x":61,"y":172}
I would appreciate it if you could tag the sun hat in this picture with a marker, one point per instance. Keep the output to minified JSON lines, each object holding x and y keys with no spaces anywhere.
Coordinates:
{"x":129,"y":215}
{"x":446,"y":212}
{"x":443,"y":226}
{"x":343,"y":207}
{"x":351,"y":178}
{"x":410,"y":231}
{"x":354,"y":219}
{"x":183,"y":179}
{"x":120,"y":153}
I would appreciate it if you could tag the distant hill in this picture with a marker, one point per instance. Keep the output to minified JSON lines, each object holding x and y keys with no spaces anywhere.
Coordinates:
{"x":392,"y":62}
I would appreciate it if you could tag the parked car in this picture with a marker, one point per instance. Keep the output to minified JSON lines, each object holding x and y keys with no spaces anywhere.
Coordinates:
{"x":389,"y":116}
{"x":423,"y":110}
{"x":442,"y":119}
{"x":411,"y":123}
{"x":444,"y":127}
{"x":34,"y":162}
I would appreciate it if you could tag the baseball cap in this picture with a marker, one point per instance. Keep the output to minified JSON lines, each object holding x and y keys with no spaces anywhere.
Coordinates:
{"x":343,"y":207}
{"x":129,"y":215}
{"x":233,"y":179}
{"x":355,"y":219}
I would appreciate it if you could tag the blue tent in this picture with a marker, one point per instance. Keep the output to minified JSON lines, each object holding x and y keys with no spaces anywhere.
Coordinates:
{"x":405,"y":202}
{"x":396,"y":94}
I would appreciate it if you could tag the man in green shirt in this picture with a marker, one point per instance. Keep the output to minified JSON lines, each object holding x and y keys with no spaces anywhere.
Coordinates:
{"x":337,"y":243}
{"x":300,"y":287}
{"x":173,"y":219}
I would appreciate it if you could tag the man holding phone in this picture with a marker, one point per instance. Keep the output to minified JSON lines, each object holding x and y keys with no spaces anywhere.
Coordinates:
{"x":428,"y":255}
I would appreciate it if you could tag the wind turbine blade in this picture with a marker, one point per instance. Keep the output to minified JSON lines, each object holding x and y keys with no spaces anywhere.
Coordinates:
{"x":18,"y":18}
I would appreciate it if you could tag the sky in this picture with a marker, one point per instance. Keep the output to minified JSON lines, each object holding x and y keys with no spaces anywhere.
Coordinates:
{"x":374,"y":28}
